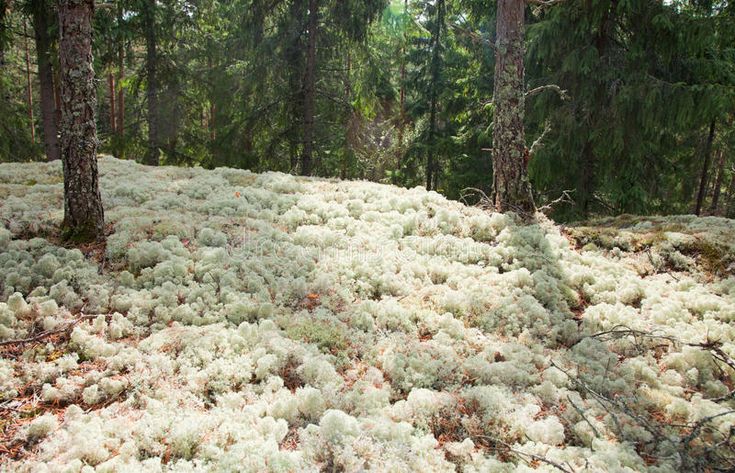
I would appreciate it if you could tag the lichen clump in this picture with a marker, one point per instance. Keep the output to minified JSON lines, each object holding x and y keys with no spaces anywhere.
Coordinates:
{"x":265,"y":322}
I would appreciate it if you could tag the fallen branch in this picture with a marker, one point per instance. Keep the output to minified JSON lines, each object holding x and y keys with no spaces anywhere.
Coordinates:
{"x":525,"y":454}
{"x":620,"y":331}
{"x":48,"y":333}
{"x":715,"y":350}
{"x":697,"y":427}
{"x":484,"y":201}
{"x":565,"y":198}
{"x":581,"y":413}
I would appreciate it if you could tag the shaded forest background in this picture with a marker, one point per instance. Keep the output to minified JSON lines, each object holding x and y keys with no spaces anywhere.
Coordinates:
{"x":629,"y":105}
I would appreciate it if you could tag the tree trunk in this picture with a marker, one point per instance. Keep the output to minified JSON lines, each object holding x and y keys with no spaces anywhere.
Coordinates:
{"x":113,"y":112}
{"x":705,"y":169}
{"x":731,"y":196}
{"x":120,"y":77}
{"x":714,"y":207}
{"x":511,"y":187}
{"x":29,"y":84}
{"x":41,"y":23}
{"x":402,"y":122}
{"x":4,"y":31}
{"x":212,"y":107}
{"x":587,"y":177}
{"x":431,"y":167}
{"x":83,"y":214}
{"x":57,"y":98}
{"x":307,"y":154}
{"x":151,"y":66}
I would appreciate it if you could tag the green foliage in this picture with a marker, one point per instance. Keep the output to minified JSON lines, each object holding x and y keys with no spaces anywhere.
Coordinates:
{"x":645,"y":79}
{"x":399,"y":83}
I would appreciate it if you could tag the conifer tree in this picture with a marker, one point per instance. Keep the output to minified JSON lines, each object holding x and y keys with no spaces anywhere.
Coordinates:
{"x":511,"y":187}
{"x":42,"y":13}
{"x":83,"y":213}
{"x":148,"y":14}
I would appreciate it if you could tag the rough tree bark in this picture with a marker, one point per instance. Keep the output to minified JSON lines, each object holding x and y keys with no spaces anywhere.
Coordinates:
{"x":29,"y":85}
{"x":151,"y":68}
{"x":431,"y":167}
{"x":83,"y":214}
{"x":120,"y":76}
{"x":307,"y":154}
{"x":511,"y":187}
{"x":41,"y":22}
{"x":705,"y":169}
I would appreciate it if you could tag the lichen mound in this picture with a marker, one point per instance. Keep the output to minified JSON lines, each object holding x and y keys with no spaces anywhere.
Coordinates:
{"x":265,"y":322}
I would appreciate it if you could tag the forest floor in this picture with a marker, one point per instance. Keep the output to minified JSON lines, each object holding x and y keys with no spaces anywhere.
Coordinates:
{"x":265,"y":322}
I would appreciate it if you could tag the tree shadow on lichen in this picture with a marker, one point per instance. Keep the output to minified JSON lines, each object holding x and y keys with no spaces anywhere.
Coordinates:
{"x":546,"y":305}
{"x":612,"y":393}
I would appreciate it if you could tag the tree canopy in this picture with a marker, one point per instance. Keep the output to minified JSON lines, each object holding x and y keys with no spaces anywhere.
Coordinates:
{"x":629,"y":106}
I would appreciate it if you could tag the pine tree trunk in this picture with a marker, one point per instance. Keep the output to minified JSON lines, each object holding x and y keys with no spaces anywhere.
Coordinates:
{"x":705,"y":169}
{"x":402,"y":123}
{"x":120,"y":77}
{"x":307,"y":154}
{"x":113,"y":112}
{"x":83,"y":214}
{"x":151,"y":67}
{"x":4,"y":31}
{"x":57,"y":97}
{"x":41,"y":24}
{"x":714,"y":207}
{"x":511,"y":188}
{"x":29,"y":84}
{"x":431,"y":167}
{"x":731,"y":197}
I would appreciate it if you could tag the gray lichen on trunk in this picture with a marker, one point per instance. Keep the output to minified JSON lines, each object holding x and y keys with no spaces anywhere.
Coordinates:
{"x":83,"y":214}
{"x":511,"y":187}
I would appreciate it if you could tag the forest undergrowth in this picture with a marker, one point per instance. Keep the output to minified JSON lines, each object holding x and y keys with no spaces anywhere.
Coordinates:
{"x":264,"y":322}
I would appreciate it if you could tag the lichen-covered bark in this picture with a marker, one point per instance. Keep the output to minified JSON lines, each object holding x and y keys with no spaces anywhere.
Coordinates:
{"x":511,"y":188}
{"x":83,"y":214}
{"x":41,"y":24}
